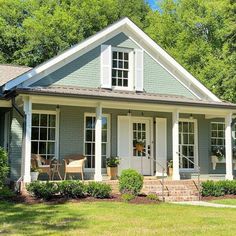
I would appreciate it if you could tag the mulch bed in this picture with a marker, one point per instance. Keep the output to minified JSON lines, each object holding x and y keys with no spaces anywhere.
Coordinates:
{"x":210,"y":198}
{"x":26,"y":198}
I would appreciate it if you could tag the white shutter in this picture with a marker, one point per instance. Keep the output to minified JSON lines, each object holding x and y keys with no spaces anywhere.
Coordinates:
{"x":106,"y":66}
{"x":161,"y":145}
{"x":138,"y":55}
{"x":123,"y":142}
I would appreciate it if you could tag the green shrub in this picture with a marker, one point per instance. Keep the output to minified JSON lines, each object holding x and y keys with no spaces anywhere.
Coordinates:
{"x":98,"y":190}
{"x":153,"y":197}
{"x":4,"y":168}
{"x":211,"y":188}
{"x":130,"y":181}
{"x":72,"y":189}
{"x":127,"y":197}
{"x":228,"y":186}
{"x":44,"y":190}
{"x":6,"y":193}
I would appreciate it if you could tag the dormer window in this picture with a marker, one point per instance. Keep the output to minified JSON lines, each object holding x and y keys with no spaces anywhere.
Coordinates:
{"x":120,"y":68}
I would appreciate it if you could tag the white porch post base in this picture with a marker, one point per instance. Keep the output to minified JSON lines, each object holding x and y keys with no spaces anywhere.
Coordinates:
{"x":175,"y":143}
{"x":98,"y":144}
{"x":228,"y":147}
{"x":26,"y":147}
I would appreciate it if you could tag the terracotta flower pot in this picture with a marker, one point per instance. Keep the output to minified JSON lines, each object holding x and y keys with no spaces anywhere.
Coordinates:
{"x":112,"y":172}
{"x":139,"y":147}
{"x":170,"y":171}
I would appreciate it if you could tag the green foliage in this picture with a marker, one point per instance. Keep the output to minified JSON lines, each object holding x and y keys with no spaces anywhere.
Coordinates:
{"x":72,"y":189}
{"x":127,"y":197}
{"x":4,"y":168}
{"x":219,"y":188}
{"x":6,"y":193}
{"x":98,"y":190}
{"x":200,"y":35}
{"x":130,"y":181}
{"x":112,"y":161}
{"x":153,"y":197}
{"x":44,"y":190}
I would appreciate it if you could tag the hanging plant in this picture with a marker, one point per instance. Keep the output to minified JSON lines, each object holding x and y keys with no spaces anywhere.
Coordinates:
{"x":218,"y":151}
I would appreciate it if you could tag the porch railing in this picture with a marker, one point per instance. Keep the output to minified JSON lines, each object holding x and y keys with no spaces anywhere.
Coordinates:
{"x":163,"y":169}
{"x":197,"y":170}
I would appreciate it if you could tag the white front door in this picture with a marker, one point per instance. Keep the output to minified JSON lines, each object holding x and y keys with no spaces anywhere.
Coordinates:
{"x":131,"y":130}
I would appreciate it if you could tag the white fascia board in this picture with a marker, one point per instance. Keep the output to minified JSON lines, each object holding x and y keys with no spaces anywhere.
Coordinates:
{"x":64,"y":58}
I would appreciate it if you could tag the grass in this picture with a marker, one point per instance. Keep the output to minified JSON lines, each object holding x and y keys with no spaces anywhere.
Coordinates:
{"x":107,"y":218}
{"x":225,"y":201}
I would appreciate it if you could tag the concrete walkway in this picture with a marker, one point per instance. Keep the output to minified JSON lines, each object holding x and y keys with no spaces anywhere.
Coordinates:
{"x":206,"y":204}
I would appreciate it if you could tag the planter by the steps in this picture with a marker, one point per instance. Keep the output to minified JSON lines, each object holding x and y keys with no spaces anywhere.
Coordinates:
{"x":170,"y":171}
{"x":34,"y":176}
{"x":112,"y":172}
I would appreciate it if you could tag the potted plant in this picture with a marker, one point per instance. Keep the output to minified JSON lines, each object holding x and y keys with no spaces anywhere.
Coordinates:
{"x":112,"y":167}
{"x":219,"y":152}
{"x":139,"y":144}
{"x":170,"y":167}
{"x":34,"y":173}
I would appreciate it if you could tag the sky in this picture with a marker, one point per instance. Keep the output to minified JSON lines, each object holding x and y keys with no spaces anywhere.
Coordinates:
{"x":153,"y":4}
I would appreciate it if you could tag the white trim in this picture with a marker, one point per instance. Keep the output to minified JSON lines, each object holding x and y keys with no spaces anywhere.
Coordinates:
{"x":124,"y":25}
{"x":228,"y":147}
{"x":175,"y":144}
{"x":195,"y":121}
{"x":85,"y":102}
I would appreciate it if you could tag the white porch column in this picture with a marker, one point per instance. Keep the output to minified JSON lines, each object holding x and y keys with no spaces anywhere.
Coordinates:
{"x":228,"y":147}
{"x":26,"y":147}
{"x":98,"y":144}
{"x":175,"y":144}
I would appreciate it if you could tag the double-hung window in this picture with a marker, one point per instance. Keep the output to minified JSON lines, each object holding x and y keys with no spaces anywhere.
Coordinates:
{"x":120,"y":68}
{"x":217,"y":134}
{"x":43,"y":136}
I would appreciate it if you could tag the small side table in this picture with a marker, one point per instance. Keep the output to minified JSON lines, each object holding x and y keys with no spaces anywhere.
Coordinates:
{"x":56,"y":170}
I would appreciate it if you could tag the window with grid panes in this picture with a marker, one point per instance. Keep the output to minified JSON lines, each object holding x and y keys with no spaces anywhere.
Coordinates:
{"x":120,"y":69}
{"x":217,"y":134}
{"x":43,"y":136}
{"x":89,"y":140}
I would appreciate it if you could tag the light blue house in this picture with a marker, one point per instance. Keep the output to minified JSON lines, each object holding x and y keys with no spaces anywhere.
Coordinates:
{"x":105,"y":94}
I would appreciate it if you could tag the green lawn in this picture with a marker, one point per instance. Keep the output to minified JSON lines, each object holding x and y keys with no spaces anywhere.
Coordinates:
{"x":225,"y":201}
{"x":107,"y":218}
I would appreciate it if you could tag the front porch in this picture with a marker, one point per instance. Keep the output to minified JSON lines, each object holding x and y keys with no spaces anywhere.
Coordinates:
{"x":103,"y":129}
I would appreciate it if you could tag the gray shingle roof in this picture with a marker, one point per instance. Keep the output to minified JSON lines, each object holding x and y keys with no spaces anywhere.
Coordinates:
{"x":9,"y":72}
{"x":106,"y":94}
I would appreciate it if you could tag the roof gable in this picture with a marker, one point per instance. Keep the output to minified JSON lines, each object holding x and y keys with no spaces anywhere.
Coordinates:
{"x":134,"y":33}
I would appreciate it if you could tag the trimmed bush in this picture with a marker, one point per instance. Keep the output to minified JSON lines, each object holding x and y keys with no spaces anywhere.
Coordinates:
{"x":98,"y":190}
{"x":130,"y":181}
{"x":72,"y":189}
{"x":153,"y":197}
{"x":6,"y":193}
{"x":127,"y":197}
{"x":4,"y":168}
{"x":211,"y":188}
{"x":228,"y":186}
{"x":44,"y":190}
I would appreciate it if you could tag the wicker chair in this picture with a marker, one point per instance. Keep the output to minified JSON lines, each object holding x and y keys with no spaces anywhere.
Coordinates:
{"x":42,"y":164}
{"x":74,"y":164}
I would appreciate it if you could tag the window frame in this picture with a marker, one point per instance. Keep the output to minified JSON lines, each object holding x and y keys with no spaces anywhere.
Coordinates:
{"x":217,"y":130}
{"x":49,"y":112}
{"x":130,"y":86}
{"x":108,"y":148}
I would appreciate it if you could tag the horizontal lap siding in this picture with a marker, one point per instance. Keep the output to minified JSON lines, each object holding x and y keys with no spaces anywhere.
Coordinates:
{"x":15,"y":151}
